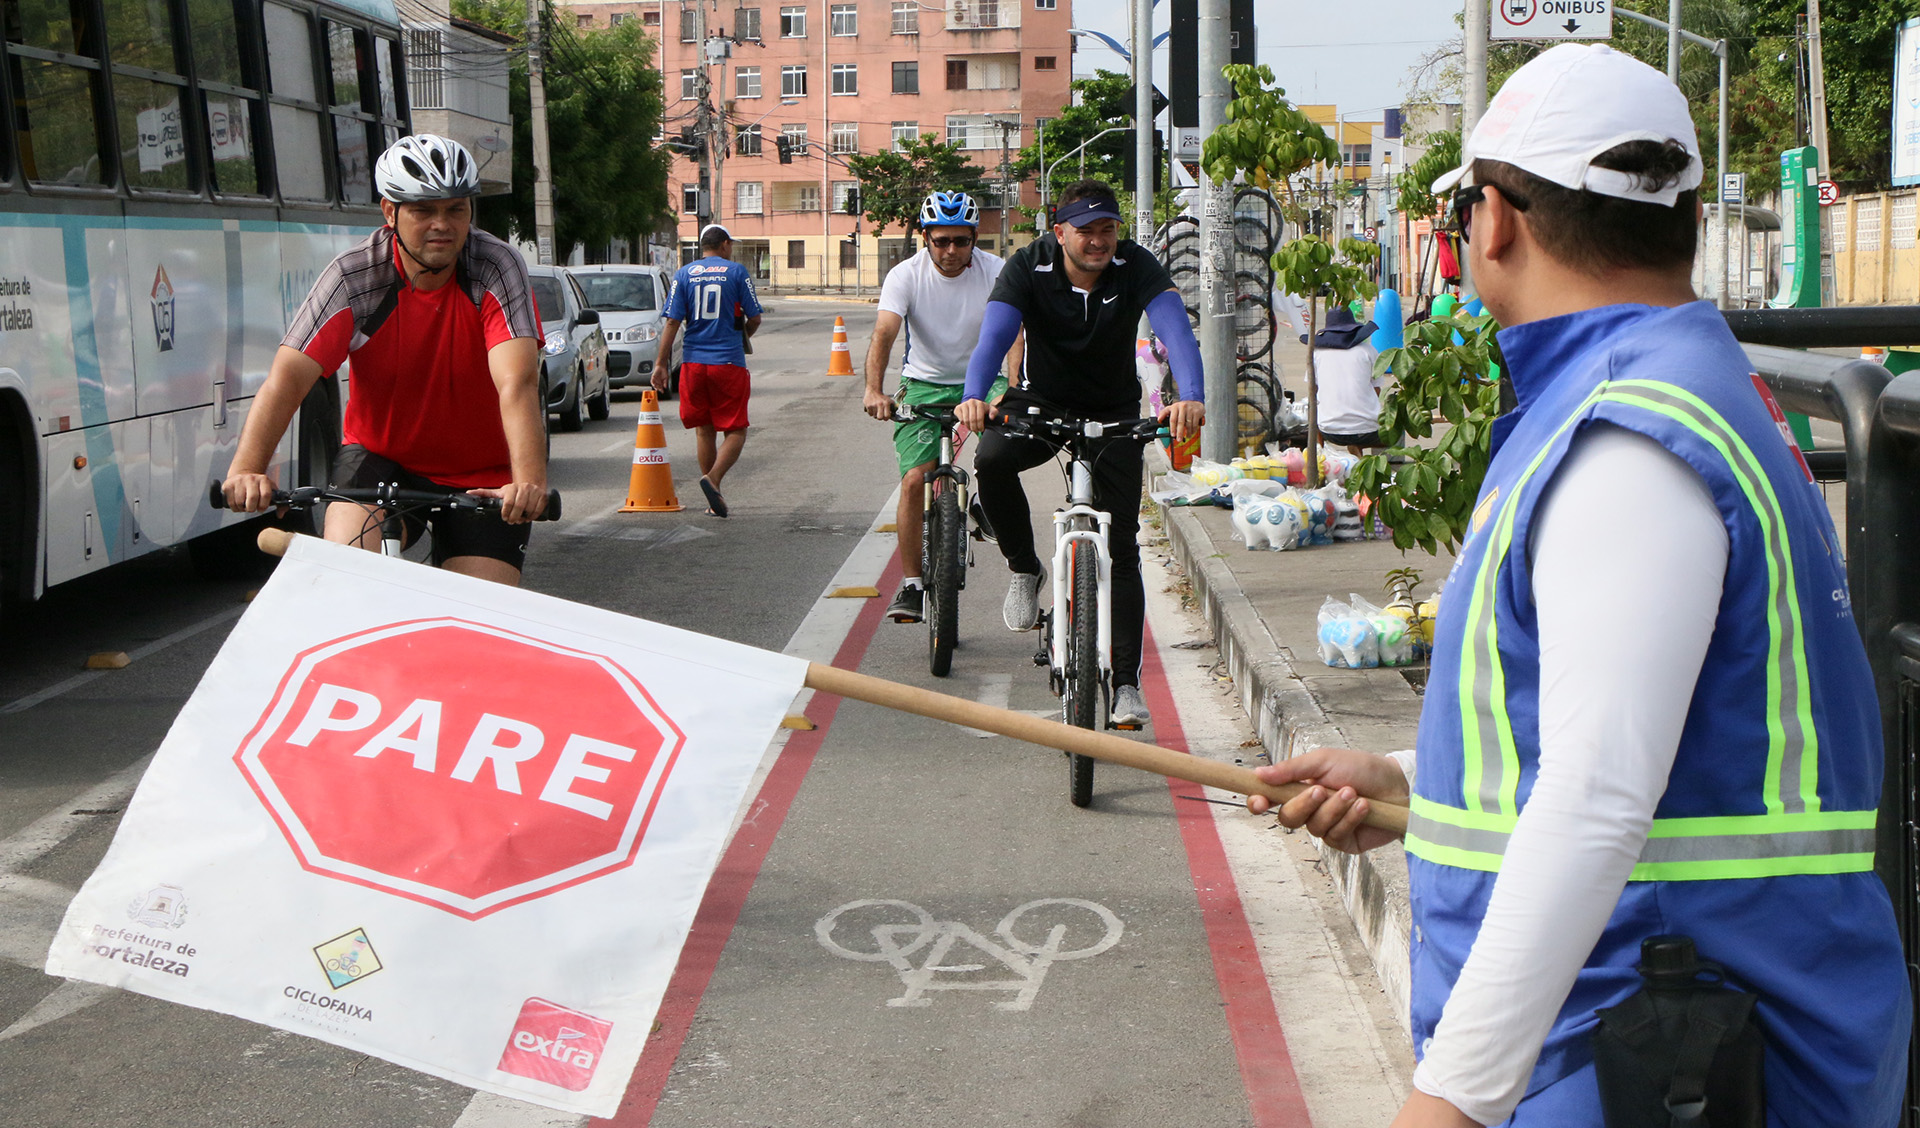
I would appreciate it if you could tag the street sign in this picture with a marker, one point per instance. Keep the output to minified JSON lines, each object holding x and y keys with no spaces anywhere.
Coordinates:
{"x":1733,"y":188}
{"x":1373,"y":233}
{"x":1186,"y":143}
{"x":1552,"y":19}
{"x":1829,"y":193}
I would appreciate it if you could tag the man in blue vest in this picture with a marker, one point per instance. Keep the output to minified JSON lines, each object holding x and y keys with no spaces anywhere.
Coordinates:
{"x":1649,"y":710}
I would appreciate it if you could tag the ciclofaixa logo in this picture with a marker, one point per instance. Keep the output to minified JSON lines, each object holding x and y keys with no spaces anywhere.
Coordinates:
{"x":555,"y":1044}
{"x":458,"y":764}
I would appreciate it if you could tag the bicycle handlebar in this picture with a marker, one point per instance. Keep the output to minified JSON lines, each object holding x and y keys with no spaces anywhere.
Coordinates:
{"x":387,"y":497}
{"x":910,"y":412}
{"x":1066,"y":428}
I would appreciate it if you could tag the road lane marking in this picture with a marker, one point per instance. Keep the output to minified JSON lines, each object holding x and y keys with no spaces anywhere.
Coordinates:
{"x":154,"y":647}
{"x":40,"y":837}
{"x":997,"y":690}
{"x":72,"y":995}
{"x":1028,"y":962}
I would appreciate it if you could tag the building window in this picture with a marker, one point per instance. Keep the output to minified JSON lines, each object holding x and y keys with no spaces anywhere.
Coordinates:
{"x":687,"y":86}
{"x":905,"y":133}
{"x":746,"y":82}
{"x":687,"y":19}
{"x":957,"y":132}
{"x":844,"y":137}
{"x":906,"y":17}
{"x":746,"y":141}
{"x":796,"y":135}
{"x":793,"y":23}
{"x":1045,"y":5}
{"x":793,"y":82}
{"x":746,"y":23}
{"x":973,"y":13}
{"x":844,"y":192}
{"x":647,"y":19}
{"x":583,"y":21}
{"x":809,"y":198}
{"x":846,"y":78}
{"x":746,"y":198}
{"x":956,"y":74}
{"x":1046,"y":62}
{"x":690,"y":198}
{"x":845,"y":19}
{"x":796,"y":254}
{"x":906,"y":78}
{"x":849,"y":255}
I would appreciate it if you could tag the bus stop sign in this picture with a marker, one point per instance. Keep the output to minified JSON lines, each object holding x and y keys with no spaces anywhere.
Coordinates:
{"x":1552,"y":19}
{"x":459,"y":764}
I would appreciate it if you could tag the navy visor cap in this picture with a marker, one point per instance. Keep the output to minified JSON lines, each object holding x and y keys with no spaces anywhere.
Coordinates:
{"x":1085,"y":210}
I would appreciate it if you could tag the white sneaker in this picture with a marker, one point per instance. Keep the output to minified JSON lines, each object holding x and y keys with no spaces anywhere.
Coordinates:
{"x":1129,"y":706}
{"x":1022,"y":608}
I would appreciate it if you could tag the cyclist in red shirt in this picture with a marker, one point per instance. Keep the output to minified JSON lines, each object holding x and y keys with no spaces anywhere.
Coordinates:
{"x":439,"y":322}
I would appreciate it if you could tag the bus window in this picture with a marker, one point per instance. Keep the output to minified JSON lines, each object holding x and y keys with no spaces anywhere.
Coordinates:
{"x":383,"y":66}
{"x":352,"y":138}
{"x":53,"y":105}
{"x":229,"y":98}
{"x":153,"y":139}
{"x":297,"y":148}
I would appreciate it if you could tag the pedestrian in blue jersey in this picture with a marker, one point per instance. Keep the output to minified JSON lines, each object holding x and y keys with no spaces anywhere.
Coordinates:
{"x":714,"y":298}
{"x":1649,"y":710}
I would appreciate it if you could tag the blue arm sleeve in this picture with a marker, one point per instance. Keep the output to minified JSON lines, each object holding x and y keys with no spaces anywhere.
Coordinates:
{"x":997,"y":330}
{"x":1168,"y":316}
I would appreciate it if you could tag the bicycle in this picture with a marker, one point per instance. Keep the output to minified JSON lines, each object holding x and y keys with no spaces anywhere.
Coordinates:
{"x":1077,"y":631}
{"x":395,"y":503}
{"x":944,"y":551}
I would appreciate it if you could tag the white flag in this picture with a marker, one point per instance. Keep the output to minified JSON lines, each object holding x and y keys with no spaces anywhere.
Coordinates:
{"x":455,"y":825}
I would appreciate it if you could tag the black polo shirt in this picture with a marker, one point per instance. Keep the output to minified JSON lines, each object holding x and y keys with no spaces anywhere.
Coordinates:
{"x":1079,"y":344}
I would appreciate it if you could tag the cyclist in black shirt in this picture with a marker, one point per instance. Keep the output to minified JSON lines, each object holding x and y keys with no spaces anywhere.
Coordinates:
{"x":1079,"y":292}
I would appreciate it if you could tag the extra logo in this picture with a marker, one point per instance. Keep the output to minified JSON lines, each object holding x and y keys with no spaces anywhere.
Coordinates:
{"x":460,"y":765}
{"x":348,"y":958}
{"x":163,"y":906}
{"x":555,"y":1044}
{"x":162,"y":297}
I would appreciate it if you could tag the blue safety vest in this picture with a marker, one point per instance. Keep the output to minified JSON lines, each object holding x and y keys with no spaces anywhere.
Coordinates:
{"x":1762,"y":846}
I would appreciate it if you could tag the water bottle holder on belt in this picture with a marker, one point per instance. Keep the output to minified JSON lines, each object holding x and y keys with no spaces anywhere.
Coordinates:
{"x":1682,"y":1052}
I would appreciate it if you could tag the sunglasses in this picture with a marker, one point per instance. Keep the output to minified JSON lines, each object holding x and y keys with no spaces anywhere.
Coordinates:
{"x":944,"y":242}
{"x":1465,"y":198}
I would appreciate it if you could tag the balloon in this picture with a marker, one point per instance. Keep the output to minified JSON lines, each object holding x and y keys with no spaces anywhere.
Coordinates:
{"x":1389,"y":322}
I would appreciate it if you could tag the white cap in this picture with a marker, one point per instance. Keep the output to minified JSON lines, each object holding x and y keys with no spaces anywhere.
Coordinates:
{"x":1573,"y":103}
{"x":713,"y":227}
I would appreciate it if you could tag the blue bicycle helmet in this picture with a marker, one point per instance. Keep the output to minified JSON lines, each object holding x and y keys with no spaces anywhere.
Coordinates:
{"x":949,"y":209}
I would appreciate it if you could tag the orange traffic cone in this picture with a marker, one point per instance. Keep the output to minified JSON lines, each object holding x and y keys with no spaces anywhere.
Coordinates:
{"x":840,"y":360}
{"x":650,"y":490}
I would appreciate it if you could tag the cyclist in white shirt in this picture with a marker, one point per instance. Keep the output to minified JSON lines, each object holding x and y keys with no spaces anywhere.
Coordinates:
{"x":939,"y":296}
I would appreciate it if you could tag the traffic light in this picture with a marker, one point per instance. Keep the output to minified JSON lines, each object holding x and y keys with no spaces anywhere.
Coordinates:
{"x":852,"y":204}
{"x":1159,"y":161}
{"x":785,"y":145}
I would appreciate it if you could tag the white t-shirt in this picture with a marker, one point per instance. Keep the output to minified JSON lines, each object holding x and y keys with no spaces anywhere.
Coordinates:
{"x":942,"y":315}
{"x":1347,"y":392}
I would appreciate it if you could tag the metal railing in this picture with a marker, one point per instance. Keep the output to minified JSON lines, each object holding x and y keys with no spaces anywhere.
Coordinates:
{"x":1879,"y":415}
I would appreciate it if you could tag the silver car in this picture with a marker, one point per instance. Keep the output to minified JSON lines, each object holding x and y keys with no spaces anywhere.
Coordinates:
{"x":631,"y":301}
{"x":573,"y":354}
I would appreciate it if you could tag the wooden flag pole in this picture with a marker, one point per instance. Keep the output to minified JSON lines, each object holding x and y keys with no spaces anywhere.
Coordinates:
{"x":1033,"y":730}
{"x":1085,"y":742}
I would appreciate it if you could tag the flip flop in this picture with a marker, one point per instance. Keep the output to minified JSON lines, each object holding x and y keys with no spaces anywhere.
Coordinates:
{"x":716,"y":505}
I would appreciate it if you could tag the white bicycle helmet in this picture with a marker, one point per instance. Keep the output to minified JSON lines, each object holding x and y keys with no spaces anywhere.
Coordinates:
{"x":423,"y":166}
{"x":949,"y":209}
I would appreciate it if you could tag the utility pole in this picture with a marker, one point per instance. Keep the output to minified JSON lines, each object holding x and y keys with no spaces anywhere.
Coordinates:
{"x":1473,"y":101}
{"x":1816,"y":89}
{"x":1220,"y":439}
{"x":1006,"y":171}
{"x":1143,"y":120}
{"x":542,"y":153}
{"x":1673,"y":41}
{"x":703,"y":121}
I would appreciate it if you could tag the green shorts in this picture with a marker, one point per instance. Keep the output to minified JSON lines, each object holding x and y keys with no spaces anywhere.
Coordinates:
{"x":918,"y":442}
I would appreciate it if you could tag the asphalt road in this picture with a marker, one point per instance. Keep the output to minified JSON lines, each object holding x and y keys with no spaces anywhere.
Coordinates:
{"x":932,"y":935}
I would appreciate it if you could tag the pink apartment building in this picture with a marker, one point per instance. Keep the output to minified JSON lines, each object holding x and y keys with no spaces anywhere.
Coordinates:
{"x":839,"y":77}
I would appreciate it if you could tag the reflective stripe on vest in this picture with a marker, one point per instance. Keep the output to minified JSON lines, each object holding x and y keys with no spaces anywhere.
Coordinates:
{"x":1795,"y":836}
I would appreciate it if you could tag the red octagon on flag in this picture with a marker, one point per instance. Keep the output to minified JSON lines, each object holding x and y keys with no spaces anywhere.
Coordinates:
{"x":461,"y":765}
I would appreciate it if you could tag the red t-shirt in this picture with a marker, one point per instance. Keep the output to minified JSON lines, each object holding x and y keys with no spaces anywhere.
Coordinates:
{"x":421,"y":392}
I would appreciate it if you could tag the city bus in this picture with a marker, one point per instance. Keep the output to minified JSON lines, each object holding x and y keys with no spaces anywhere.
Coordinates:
{"x":174,"y":174}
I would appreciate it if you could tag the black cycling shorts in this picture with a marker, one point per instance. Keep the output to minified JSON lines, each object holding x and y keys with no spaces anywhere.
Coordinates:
{"x":456,"y":532}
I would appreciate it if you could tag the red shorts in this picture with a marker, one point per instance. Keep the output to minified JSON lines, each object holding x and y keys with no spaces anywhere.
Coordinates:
{"x":713,"y":395}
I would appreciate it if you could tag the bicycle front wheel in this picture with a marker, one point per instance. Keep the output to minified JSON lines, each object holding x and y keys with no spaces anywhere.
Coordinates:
{"x":1080,"y":696}
{"x":944,"y":559}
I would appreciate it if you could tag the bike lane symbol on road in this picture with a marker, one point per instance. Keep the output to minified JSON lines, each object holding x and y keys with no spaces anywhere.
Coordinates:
{"x":905,"y":930}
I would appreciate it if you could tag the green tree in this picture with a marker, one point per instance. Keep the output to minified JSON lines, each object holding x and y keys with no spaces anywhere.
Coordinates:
{"x":893,"y":183}
{"x":1103,"y":104}
{"x":603,"y":112}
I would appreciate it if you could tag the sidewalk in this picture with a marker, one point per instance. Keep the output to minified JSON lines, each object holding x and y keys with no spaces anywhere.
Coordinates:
{"x":1262,"y":608}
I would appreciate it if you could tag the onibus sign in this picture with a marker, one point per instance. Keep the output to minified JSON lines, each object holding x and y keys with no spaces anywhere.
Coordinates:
{"x":458,"y":826}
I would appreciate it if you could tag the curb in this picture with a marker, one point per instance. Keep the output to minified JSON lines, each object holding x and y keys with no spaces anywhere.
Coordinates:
{"x":1290,"y":722}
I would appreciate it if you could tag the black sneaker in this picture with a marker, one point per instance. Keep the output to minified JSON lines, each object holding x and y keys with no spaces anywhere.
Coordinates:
{"x":977,"y":517}
{"x":906,"y":605}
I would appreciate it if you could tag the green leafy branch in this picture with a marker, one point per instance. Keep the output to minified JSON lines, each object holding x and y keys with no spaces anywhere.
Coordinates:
{"x":1428,"y":498}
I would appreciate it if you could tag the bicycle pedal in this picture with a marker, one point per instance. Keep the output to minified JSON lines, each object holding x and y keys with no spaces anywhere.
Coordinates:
{"x":1126,"y":728}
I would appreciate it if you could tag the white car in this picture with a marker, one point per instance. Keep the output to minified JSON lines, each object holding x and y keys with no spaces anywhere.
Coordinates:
{"x":631,"y":301}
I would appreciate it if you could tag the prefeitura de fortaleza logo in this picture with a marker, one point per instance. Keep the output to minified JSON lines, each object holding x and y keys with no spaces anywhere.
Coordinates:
{"x":460,"y":765}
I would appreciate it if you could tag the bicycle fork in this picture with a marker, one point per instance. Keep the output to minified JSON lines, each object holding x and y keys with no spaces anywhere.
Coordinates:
{"x":1064,"y":538}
